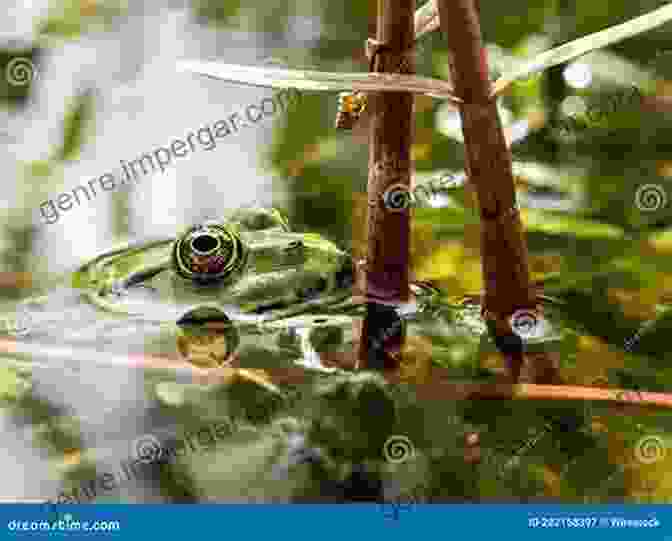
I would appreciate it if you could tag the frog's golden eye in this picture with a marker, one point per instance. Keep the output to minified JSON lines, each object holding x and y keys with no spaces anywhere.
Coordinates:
{"x":208,"y":253}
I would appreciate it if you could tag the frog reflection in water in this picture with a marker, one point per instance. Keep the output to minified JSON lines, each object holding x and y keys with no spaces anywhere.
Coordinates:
{"x":246,"y":285}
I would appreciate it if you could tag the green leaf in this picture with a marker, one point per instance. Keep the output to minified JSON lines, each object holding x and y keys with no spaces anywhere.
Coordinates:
{"x":11,"y":384}
{"x":320,"y":80}
{"x":581,"y":46}
{"x":73,"y":126}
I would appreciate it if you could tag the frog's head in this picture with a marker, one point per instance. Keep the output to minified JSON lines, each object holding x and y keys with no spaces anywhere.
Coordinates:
{"x":250,"y":267}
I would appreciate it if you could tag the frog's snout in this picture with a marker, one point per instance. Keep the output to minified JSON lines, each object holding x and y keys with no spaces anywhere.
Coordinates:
{"x":206,"y":337}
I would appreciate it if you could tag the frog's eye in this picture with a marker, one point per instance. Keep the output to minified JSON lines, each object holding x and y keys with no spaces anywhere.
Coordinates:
{"x":209,"y":253}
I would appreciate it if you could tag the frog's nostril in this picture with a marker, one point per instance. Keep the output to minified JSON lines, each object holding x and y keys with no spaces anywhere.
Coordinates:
{"x":205,"y":244}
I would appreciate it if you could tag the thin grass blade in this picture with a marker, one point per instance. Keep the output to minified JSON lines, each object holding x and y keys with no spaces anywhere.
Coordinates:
{"x":426,"y":19}
{"x":321,"y":80}
{"x":581,"y":46}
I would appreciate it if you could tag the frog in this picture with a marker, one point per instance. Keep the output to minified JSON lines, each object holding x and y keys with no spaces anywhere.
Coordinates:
{"x":242,"y":291}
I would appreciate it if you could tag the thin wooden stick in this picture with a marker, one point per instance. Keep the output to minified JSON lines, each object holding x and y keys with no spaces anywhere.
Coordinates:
{"x":389,"y":165}
{"x":441,"y":386}
{"x":504,"y":252}
{"x":504,"y":258}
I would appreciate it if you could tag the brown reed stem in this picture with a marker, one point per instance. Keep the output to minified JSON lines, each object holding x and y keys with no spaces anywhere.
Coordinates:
{"x":389,"y":164}
{"x":504,"y":255}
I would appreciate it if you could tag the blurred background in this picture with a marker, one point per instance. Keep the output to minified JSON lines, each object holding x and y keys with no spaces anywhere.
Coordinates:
{"x":594,"y":199}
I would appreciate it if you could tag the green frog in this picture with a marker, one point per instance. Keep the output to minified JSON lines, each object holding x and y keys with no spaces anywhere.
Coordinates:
{"x":245,"y":287}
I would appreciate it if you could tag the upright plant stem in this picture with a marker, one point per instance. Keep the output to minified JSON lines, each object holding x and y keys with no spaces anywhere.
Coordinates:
{"x":389,"y":164}
{"x":503,"y":249}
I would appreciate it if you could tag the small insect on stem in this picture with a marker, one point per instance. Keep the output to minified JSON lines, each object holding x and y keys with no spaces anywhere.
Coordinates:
{"x":350,"y":107}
